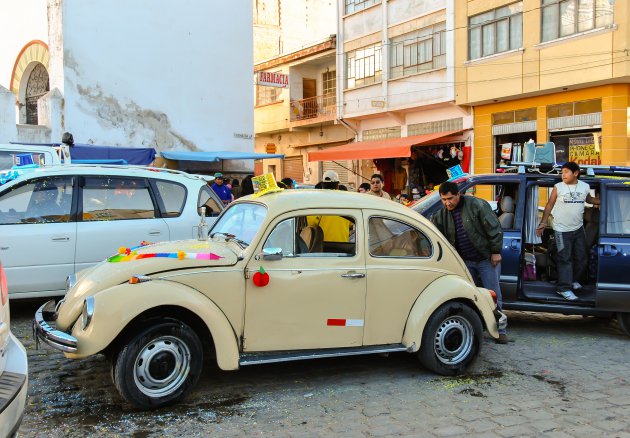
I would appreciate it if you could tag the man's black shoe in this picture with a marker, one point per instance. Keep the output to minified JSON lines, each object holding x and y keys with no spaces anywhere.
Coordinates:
{"x":503,"y":339}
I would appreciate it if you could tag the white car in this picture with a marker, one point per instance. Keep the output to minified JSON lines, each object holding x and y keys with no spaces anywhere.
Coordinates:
{"x":59,"y":220}
{"x":13,"y":369}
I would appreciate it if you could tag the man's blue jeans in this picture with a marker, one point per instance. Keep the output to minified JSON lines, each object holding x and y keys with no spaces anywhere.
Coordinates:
{"x":483,"y":272}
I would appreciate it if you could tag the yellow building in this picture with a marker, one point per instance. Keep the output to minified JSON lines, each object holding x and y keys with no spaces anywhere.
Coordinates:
{"x":545,"y":70}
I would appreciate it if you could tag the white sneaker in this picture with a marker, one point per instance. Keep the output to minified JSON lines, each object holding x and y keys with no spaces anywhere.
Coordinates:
{"x":567,"y":295}
{"x":576,"y":285}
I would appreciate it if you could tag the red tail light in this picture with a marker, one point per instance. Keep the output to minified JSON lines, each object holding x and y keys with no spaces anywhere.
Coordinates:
{"x":494,"y":296}
{"x":4,"y":288}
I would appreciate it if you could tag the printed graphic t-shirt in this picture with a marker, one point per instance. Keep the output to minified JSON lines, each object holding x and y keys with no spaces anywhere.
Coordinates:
{"x":568,"y":211}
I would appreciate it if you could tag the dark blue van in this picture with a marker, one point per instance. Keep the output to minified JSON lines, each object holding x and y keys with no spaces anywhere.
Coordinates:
{"x":528,"y":268}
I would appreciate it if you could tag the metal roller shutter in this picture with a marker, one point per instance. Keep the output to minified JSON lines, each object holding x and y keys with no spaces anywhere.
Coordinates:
{"x":292,"y":167}
{"x":344,"y":174}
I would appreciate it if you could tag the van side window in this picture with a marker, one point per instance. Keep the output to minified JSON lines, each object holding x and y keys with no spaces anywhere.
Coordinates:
{"x":112,"y":199}
{"x":43,"y":200}
{"x":618,"y":212}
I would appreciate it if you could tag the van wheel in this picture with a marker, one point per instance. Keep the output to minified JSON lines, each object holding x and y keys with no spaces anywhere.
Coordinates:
{"x":623,"y":318}
{"x":451,"y":339}
{"x":158,"y":365}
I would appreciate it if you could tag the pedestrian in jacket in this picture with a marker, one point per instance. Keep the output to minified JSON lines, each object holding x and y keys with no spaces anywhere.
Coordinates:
{"x":471,"y":226}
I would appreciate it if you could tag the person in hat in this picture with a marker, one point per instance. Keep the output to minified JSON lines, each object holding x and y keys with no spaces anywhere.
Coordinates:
{"x":222,"y":191}
{"x":330,"y":180}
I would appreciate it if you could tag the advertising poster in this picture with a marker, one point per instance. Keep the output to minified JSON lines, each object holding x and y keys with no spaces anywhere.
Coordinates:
{"x":586,"y":150}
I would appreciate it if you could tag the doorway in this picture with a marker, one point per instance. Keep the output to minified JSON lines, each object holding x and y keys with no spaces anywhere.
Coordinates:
{"x":309,"y":97}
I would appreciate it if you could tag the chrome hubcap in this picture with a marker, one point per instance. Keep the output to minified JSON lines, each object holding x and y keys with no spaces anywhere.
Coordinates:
{"x":453,"y":340}
{"x":162,"y":366}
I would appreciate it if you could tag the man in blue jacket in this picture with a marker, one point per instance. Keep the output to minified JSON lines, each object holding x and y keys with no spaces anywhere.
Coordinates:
{"x":224,"y":193}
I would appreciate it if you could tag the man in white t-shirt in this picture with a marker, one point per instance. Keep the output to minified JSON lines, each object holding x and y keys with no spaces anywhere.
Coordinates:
{"x":566,"y":205}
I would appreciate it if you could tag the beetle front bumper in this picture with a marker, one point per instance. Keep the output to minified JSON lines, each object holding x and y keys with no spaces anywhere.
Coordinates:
{"x":43,"y":326}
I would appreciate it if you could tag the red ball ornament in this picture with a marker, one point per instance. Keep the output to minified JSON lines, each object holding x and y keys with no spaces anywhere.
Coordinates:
{"x":261,"y":278}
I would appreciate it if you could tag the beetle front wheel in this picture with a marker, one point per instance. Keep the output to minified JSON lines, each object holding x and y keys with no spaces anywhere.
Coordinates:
{"x":158,"y":366}
{"x":451,"y":339}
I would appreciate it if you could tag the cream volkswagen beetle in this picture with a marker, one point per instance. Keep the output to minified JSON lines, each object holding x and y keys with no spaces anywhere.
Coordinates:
{"x":285,"y":276}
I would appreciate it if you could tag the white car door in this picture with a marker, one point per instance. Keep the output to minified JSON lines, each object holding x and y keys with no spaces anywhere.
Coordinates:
{"x":115,"y":212}
{"x":38,"y":235}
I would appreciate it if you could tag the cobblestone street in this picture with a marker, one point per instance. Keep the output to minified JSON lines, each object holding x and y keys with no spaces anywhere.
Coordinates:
{"x":559,"y":376}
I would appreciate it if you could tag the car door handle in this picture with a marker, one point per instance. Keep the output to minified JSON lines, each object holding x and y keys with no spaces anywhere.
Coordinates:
{"x":4,"y":248}
{"x":608,"y":250}
{"x":515,"y":244}
{"x":353,"y":275}
{"x":60,"y":238}
{"x":154,"y":232}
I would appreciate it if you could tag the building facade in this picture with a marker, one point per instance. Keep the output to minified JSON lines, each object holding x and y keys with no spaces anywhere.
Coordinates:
{"x":545,"y":70}
{"x":301,"y":116}
{"x":138,"y":78}
{"x":396,"y":86}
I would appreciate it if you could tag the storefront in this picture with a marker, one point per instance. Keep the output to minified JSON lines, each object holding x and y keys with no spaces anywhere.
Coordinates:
{"x":589,"y":126}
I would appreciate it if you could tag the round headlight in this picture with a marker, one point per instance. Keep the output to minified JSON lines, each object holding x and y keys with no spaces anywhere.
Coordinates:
{"x":87,"y":313}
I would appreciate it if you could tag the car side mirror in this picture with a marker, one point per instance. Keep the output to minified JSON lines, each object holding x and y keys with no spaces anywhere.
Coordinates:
{"x":271,"y":254}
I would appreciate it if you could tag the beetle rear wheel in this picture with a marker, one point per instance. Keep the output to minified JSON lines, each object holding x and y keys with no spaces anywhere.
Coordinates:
{"x":451,"y":339}
{"x":157,"y":366}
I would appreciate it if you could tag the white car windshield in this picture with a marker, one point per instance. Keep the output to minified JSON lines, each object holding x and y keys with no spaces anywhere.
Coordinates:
{"x":240,"y":222}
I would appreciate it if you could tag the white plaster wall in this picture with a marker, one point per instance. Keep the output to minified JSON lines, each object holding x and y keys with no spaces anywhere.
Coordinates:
{"x":358,"y":101}
{"x":170,"y":75}
{"x":21,"y":22}
{"x":304,"y":22}
{"x":420,"y":89}
{"x":399,"y":11}
{"x":363,"y":23}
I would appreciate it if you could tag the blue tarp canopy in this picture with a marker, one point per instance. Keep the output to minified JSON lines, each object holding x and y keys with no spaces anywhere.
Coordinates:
{"x":216,"y":156}
{"x":138,"y":156}
{"x":106,"y":154}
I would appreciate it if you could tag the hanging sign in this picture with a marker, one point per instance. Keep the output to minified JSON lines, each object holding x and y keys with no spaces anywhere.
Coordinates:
{"x":585,"y":150}
{"x":271,"y":79}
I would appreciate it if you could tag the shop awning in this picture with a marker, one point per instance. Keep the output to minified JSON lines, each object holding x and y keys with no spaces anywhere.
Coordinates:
{"x":216,"y":156}
{"x":368,"y":150}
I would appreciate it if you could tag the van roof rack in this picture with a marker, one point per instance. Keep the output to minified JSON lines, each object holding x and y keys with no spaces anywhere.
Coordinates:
{"x":549,"y":168}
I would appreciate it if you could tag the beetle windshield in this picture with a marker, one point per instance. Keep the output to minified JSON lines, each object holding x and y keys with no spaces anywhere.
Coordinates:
{"x":240,"y":221}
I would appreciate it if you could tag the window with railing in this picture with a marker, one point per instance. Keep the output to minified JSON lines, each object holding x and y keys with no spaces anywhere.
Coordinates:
{"x":266,"y":95}
{"x":357,"y":5}
{"x":363,"y":66}
{"x":381,"y":133}
{"x":418,"y":51}
{"x":562,"y":18}
{"x":495,"y":31}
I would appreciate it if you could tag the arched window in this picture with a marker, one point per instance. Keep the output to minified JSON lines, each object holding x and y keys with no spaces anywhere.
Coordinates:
{"x":36,"y":87}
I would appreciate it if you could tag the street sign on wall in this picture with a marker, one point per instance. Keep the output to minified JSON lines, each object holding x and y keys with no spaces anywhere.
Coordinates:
{"x":271,"y":79}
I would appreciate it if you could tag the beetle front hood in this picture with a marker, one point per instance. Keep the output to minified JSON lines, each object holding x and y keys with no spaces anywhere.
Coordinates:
{"x":148,"y":260}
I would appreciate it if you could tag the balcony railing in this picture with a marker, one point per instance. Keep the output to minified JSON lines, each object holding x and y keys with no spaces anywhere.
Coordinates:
{"x":313,"y":107}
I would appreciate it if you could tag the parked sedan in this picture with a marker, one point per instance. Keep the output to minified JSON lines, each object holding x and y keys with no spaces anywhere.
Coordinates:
{"x":300,"y":274}
{"x":59,"y":220}
{"x":13,"y":368}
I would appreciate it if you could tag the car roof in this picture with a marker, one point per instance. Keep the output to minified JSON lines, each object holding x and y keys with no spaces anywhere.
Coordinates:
{"x":91,"y":169}
{"x":288,"y":200}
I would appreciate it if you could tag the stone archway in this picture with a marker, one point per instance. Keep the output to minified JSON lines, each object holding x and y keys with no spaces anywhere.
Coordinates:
{"x":36,"y":86}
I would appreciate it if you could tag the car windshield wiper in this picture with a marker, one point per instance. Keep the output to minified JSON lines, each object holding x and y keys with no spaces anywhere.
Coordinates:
{"x":229,"y":236}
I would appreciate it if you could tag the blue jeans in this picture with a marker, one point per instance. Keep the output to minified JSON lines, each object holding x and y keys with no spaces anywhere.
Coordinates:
{"x":488,"y":276}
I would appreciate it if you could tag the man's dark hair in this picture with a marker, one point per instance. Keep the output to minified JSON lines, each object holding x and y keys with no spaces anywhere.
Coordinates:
{"x":342,"y":188}
{"x":365,"y":186}
{"x":377,"y":175}
{"x":330,"y":185}
{"x":449,"y":187}
{"x":67,"y":138}
{"x":288,"y":182}
{"x":572,"y":166}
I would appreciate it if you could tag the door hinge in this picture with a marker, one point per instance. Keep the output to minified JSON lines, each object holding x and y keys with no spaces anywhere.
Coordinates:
{"x":246,"y":273}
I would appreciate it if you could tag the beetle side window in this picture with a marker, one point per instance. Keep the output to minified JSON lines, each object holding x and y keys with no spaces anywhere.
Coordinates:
{"x":173,"y":197}
{"x":112,"y":199}
{"x":44,"y":200}
{"x":618,"y":212}
{"x":282,"y":237}
{"x":391,"y":238}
